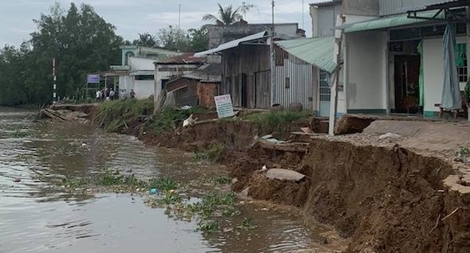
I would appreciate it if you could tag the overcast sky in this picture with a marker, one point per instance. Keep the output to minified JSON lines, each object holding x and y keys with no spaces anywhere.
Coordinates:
{"x":132,"y":17}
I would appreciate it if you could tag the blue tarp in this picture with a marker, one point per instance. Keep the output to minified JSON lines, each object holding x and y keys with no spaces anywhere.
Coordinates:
{"x":451,"y":97}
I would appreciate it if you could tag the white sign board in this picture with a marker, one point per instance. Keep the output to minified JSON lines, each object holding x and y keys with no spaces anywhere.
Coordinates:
{"x":224,"y":106}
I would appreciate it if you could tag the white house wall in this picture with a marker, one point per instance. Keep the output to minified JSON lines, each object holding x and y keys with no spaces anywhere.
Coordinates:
{"x":366,"y":73}
{"x":433,"y":73}
{"x":301,"y":84}
{"x":141,"y":64}
{"x":126,"y":83}
{"x":143,"y":88}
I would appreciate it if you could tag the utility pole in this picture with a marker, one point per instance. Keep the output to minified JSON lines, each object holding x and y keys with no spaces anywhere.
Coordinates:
{"x":273,"y":60}
{"x":54,"y":78}
{"x":179,"y":16}
{"x":303,"y":19}
{"x":338,"y":44}
{"x":179,"y":28}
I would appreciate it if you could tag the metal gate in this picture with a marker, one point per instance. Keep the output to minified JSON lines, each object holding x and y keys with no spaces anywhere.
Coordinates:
{"x":325,"y":94}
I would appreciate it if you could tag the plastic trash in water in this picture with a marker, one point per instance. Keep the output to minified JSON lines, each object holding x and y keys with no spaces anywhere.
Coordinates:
{"x":153,"y":191}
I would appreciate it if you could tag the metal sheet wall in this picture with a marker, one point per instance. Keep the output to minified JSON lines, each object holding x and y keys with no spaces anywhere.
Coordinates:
{"x":295,"y":83}
{"x":390,"y":7}
{"x":246,"y":75}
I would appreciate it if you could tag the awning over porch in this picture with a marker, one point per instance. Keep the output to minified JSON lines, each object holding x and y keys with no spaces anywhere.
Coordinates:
{"x":389,"y":22}
{"x":316,"y":51}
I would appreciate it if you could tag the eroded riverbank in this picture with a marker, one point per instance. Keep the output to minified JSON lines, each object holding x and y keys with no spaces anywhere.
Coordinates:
{"x":36,"y":217}
{"x":395,"y":194}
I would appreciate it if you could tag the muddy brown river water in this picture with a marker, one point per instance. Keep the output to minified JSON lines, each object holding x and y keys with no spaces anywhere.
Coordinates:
{"x":34,"y":218}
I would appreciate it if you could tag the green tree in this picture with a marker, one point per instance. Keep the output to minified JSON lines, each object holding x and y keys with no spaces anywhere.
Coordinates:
{"x":12,"y":91}
{"x":225,"y":16}
{"x":146,"y":40}
{"x":198,"y":40}
{"x":172,"y":38}
{"x":194,"y":40}
{"x":80,"y":40}
{"x":245,"y":8}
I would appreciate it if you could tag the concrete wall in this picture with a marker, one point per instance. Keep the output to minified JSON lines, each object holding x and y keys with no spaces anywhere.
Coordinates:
{"x":324,"y":19}
{"x":126,"y":83}
{"x":433,"y":72}
{"x":365,"y":75}
{"x":361,"y":7}
{"x":143,"y":88}
{"x":141,"y":64}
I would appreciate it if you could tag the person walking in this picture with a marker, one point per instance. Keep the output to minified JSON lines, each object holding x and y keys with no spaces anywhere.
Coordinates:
{"x":111,"y":94}
{"x":132,"y":94}
{"x":98,"y":95}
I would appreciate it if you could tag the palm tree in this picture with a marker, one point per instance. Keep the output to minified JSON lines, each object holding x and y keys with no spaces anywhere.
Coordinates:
{"x":226,"y":16}
{"x":146,"y":40}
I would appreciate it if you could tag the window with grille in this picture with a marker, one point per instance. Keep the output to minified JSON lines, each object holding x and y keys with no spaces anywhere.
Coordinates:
{"x":325,"y":91}
{"x":462,"y":65}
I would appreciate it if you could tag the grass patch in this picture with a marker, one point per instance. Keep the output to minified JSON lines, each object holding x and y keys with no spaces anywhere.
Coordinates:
{"x":276,"y":121}
{"x":212,"y":154}
{"x":247,"y":224}
{"x":211,"y":210}
{"x":169,"y":198}
{"x":169,"y":119}
{"x":116,"y":114}
{"x":209,"y":226}
{"x":20,"y":134}
{"x":221,"y":180}
{"x":107,"y":179}
{"x":164,"y":184}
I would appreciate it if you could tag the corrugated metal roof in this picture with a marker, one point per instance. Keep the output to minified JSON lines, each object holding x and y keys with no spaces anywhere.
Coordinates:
{"x":207,"y":73}
{"x":232,"y":44}
{"x":326,"y":3}
{"x":387,"y":22}
{"x":316,"y":51}
{"x":184,"y":58}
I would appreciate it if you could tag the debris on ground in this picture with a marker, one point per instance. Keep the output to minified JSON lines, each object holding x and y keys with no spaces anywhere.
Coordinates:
{"x":189,"y":121}
{"x":284,"y":175}
{"x":61,"y":114}
{"x":390,"y":136}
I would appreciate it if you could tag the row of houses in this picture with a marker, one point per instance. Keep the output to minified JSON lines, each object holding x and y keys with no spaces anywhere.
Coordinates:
{"x":391,"y":60}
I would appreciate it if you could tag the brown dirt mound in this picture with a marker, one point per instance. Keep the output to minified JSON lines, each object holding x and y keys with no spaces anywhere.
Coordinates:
{"x":235,"y":135}
{"x":289,"y":193}
{"x":386,"y":199}
{"x":350,"y":123}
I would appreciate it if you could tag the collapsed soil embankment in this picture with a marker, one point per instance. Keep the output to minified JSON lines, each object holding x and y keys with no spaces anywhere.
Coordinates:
{"x":235,"y":135}
{"x":386,"y":199}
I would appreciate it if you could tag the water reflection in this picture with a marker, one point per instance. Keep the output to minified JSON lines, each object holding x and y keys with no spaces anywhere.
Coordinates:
{"x":36,"y":217}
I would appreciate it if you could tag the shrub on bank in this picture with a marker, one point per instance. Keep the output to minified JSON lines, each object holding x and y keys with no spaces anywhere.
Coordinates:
{"x":276,"y":121}
{"x":116,"y":114}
